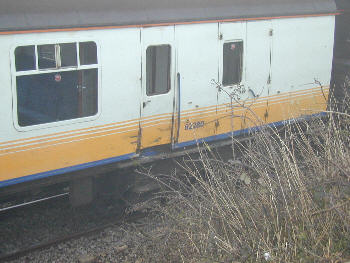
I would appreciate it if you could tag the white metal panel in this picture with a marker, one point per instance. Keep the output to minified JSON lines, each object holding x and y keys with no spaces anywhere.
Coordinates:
{"x":258,"y":58}
{"x":197,"y":63}
{"x":302,"y":53}
{"x":120,"y":75}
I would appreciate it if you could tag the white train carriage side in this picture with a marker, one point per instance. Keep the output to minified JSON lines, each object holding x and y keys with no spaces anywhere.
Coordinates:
{"x":85,"y":84}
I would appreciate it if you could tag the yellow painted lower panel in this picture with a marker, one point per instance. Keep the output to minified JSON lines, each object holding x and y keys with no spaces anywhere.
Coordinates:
{"x":157,"y":133}
{"x":42,"y":159}
{"x":23,"y":158}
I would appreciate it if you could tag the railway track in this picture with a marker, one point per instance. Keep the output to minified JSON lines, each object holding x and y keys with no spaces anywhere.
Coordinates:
{"x":44,"y":245}
{"x":16,"y":219}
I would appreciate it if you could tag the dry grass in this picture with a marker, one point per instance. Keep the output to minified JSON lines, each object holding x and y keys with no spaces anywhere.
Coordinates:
{"x":284,"y":197}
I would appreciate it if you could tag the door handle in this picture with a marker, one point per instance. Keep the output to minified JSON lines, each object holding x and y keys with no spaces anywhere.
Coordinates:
{"x":145,"y":103}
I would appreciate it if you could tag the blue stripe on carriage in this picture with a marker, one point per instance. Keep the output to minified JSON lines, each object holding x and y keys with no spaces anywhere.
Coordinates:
{"x":66,"y":170}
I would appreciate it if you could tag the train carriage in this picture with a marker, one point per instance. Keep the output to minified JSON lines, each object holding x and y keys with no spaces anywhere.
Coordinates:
{"x":85,"y":84}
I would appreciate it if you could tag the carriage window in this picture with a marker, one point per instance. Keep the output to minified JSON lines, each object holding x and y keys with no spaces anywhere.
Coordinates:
{"x":57,"y":56}
{"x":232,"y":63}
{"x":25,"y":58}
{"x":50,"y":94}
{"x":158,"y":69}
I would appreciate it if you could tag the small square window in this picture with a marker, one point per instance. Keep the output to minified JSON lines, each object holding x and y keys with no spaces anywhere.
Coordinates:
{"x":68,"y":53}
{"x":46,"y":56}
{"x":87,"y":53}
{"x":232,"y":63}
{"x":25,"y":58}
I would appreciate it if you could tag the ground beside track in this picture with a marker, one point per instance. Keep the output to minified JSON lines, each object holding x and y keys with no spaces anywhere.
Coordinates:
{"x":125,"y":243}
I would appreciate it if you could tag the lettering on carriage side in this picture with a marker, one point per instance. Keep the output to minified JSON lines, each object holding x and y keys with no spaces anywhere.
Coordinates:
{"x":193,"y":125}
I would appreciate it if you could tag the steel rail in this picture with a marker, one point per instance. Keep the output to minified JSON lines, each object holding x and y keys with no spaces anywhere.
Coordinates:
{"x":33,"y":202}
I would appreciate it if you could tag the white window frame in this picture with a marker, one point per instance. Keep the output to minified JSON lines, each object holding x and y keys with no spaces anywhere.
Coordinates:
{"x":15,"y":74}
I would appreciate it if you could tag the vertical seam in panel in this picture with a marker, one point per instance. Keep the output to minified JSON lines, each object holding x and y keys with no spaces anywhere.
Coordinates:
{"x":139,"y":135}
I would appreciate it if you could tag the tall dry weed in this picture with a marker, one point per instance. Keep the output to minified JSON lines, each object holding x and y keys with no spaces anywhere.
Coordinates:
{"x":283,"y":196}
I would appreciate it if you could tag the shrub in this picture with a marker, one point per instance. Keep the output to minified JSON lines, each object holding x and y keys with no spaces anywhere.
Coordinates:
{"x":284,"y":196}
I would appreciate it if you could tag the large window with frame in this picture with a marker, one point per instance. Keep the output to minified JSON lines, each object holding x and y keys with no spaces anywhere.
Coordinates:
{"x":158,"y":69}
{"x":56,"y":82}
{"x":232,"y":63}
